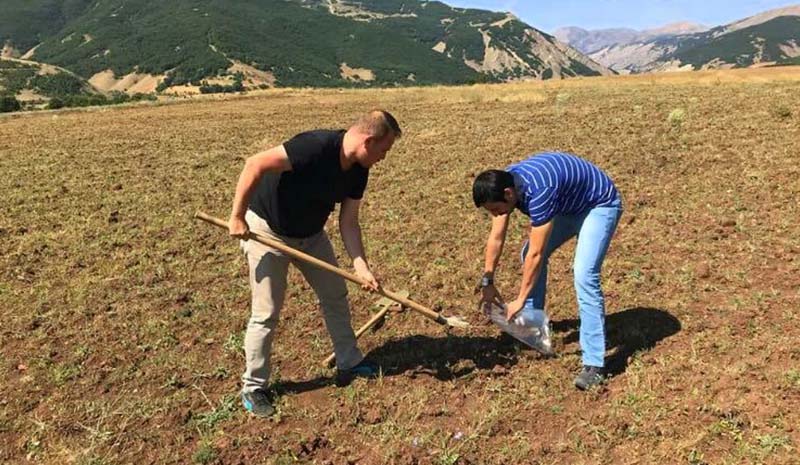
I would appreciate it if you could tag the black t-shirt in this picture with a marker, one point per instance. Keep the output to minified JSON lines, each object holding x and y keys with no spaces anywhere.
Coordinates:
{"x":297,"y":203}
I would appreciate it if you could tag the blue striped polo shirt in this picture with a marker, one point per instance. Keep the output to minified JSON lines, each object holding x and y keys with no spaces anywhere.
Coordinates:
{"x":552,"y":184}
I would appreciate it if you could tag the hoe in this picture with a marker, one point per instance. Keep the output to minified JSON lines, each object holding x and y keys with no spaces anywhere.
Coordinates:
{"x":399,"y":297}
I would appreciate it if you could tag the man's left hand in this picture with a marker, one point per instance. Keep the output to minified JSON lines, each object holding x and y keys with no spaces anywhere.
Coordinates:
{"x":514,"y":307}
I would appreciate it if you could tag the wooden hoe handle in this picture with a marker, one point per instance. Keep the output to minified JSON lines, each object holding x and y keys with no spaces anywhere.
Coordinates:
{"x":405,"y":301}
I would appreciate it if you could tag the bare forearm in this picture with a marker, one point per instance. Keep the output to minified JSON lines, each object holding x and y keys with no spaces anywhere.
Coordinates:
{"x":494,"y":249}
{"x":244,"y":187}
{"x":353,"y":242}
{"x":530,"y":272}
{"x":494,"y":245}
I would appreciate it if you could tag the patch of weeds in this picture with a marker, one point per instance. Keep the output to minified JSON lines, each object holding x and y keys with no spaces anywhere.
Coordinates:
{"x":676,"y":118}
{"x":219,"y":372}
{"x":204,"y":454}
{"x":635,"y":402}
{"x":448,"y":454}
{"x":209,"y":420}
{"x":769,"y":443}
{"x":696,"y":457}
{"x":317,"y":343}
{"x":781,"y":112}
{"x":33,"y":447}
{"x":635,"y":275}
{"x":351,"y":394}
{"x":186,"y":312}
{"x":793,"y":378}
{"x":174,"y":382}
{"x":578,"y":446}
{"x":448,"y":458}
{"x":65,"y":373}
{"x":167,"y":341}
{"x":517,"y":449}
{"x":729,"y":426}
{"x":286,"y":458}
{"x":235,"y":343}
{"x":81,"y":352}
{"x":562,"y":99}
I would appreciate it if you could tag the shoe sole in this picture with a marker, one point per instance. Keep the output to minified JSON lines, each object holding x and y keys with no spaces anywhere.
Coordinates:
{"x":586,"y":387}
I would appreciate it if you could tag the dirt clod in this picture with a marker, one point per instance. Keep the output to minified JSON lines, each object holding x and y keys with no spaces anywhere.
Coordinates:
{"x":373,"y":416}
{"x":703,"y":271}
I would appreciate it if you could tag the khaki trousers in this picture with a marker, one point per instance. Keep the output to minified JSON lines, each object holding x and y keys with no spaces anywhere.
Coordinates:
{"x":268,"y":270}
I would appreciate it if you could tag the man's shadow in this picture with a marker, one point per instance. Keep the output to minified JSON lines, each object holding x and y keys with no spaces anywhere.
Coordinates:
{"x":452,"y":356}
{"x":445,"y":358}
{"x":627,"y":332}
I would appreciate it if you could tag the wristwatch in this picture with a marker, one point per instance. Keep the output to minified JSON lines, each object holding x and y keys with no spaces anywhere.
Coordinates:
{"x":486,"y":280}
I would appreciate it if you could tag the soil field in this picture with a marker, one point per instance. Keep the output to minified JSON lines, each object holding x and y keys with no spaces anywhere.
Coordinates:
{"x":122,"y":318}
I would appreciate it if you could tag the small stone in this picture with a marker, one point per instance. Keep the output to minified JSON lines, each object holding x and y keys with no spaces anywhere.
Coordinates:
{"x":703,"y":271}
{"x":499,"y":370}
{"x":373,"y":416}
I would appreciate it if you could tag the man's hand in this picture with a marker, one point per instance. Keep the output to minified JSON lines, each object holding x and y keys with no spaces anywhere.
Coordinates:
{"x":237,"y":227}
{"x":514,"y":307}
{"x":489,"y":296}
{"x":371,"y":283}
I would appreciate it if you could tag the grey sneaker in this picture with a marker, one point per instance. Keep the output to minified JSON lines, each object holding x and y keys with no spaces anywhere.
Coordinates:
{"x":257,"y":402}
{"x":589,"y":378}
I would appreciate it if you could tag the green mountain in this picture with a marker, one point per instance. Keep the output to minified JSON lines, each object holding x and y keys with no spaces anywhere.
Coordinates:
{"x":26,"y":23}
{"x":28,"y":85}
{"x":285,"y":42}
{"x":776,"y":40}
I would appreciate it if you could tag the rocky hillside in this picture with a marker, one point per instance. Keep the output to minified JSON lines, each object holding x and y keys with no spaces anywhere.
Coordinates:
{"x":589,"y":41}
{"x":26,"y":85}
{"x":772,"y":37}
{"x":148,"y":45}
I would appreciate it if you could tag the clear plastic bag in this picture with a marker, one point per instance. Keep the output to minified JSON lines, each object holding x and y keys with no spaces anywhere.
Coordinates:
{"x":530,"y":326}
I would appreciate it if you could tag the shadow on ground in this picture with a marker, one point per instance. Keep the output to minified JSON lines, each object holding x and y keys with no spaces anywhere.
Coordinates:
{"x":627,"y":332}
{"x":451,"y":357}
{"x":444,"y":358}
{"x":448,"y":357}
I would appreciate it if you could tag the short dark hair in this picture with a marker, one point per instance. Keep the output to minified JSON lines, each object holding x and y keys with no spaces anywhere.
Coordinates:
{"x":490,"y":186}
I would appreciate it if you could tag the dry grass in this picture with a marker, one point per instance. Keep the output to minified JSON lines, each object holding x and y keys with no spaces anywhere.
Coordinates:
{"x":122,"y":317}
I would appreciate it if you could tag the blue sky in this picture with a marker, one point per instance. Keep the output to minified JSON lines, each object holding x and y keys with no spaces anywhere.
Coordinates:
{"x":636,"y":14}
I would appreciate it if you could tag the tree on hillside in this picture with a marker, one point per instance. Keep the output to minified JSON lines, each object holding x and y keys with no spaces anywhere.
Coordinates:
{"x":9,"y":103}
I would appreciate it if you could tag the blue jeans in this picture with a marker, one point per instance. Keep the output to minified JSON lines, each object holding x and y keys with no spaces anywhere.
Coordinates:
{"x":594,"y":229}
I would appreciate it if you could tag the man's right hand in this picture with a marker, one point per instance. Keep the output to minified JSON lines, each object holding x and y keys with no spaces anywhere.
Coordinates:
{"x":237,"y":227}
{"x":489,"y":296}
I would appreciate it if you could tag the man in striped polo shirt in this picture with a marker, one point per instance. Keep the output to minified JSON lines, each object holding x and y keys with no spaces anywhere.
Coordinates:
{"x":564,"y":196}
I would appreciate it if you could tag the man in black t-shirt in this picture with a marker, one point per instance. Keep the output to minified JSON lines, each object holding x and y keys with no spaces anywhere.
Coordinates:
{"x":287,"y":193}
